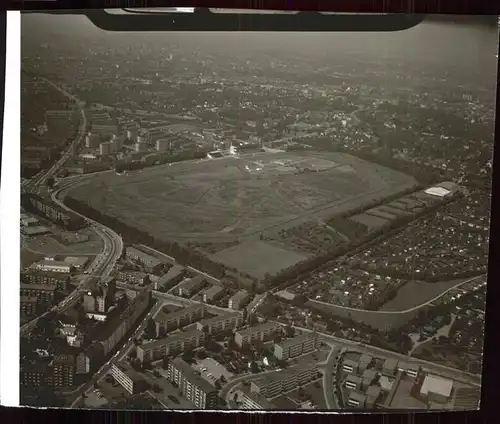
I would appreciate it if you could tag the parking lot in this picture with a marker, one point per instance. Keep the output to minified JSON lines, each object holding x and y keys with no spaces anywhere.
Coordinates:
{"x":94,"y":401}
{"x":211,"y":370}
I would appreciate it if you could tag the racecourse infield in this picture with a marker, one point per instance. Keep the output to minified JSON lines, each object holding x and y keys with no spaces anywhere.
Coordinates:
{"x":240,"y":198}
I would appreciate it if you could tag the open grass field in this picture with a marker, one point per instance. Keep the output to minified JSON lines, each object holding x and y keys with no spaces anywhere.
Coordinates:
{"x":239,"y":198}
{"x":257,"y":258}
{"x":415,"y":293}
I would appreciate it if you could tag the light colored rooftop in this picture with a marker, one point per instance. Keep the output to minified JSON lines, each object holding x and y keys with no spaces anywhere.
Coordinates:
{"x":436,"y":385}
{"x":174,"y":338}
{"x":284,"y":344}
{"x":259,"y":328}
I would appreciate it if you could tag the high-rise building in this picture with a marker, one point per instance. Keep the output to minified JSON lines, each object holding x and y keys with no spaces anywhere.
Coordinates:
{"x":63,"y":370}
{"x":100,"y":298}
{"x":192,"y":386}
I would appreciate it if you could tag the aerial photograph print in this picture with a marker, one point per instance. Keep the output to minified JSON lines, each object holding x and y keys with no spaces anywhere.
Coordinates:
{"x":255,"y":220}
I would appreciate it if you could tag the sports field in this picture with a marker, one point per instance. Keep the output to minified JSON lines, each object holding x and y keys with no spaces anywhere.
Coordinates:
{"x":240,"y":198}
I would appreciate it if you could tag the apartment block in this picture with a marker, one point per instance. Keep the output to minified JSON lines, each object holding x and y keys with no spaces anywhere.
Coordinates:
{"x":192,"y":386}
{"x":409,"y":369}
{"x":356,"y":400}
{"x":353,"y":382}
{"x":285,"y":381}
{"x":213,"y":293}
{"x":151,"y":263}
{"x":166,"y":322}
{"x":171,"y":278}
{"x":220,"y":323}
{"x":127,"y":377}
{"x":257,"y":333}
{"x":63,"y":368}
{"x":60,"y":280}
{"x":172,"y":345}
{"x":28,"y":306}
{"x":350,"y":366}
{"x":43,"y":292}
{"x":238,"y":300}
{"x":132,"y":277}
{"x":190,"y":286}
{"x":305,"y":343}
{"x":257,"y":401}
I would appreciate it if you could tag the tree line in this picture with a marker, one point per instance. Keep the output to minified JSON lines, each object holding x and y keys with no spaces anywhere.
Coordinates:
{"x":160,"y":159}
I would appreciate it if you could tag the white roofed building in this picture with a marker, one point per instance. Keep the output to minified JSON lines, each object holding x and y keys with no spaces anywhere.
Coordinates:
{"x":436,"y":389}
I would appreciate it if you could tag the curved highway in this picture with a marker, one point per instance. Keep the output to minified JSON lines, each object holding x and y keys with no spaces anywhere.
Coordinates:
{"x":113,"y":244}
{"x":102,"y":265}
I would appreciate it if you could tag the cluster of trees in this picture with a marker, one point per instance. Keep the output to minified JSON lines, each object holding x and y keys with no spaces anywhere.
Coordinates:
{"x":427,"y":175}
{"x":350,"y":228}
{"x":160,"y":159}
{"x":132,"y":235}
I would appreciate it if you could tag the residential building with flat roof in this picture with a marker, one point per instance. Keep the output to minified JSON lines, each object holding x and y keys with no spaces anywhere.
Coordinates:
{"x":411,"y":370}
{"x":150,"y":262}
{"x":77,"y":262}
{"x":220,"y":323}
{"x":171,"y":345}
{"x":258,"y":333}
{"x":213,"y":293}
{"x":365,"y":361}
{"x":369,"y":376}
{"x":372,"y":396}
{"x":43,"y":292}
{"x":166,"y":322}
{"x":55,"y":266}
{"x":255,"y":400}
{"x":171,"y":278}
{"x":348,"y":365}
{"x":436,"y":389}
{"x":28,"y":305}
{"x":190,"y":286}
{"x":192,"y":386}
{"x":40,"y":277}
{"x":390,"y":367}
{"x":132,"y":277}
{"x":127,"y":377}
{"x":238,"y":300}
{"x":63,"y":367}
{"x":284,"y":381}
{"x":356,"y":400}
{"x":299,"y":345}
{"x":353,"y":382}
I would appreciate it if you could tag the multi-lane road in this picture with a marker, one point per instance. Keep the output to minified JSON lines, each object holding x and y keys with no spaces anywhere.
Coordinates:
{"x":102,"y":264}
{"x":113,"y":244}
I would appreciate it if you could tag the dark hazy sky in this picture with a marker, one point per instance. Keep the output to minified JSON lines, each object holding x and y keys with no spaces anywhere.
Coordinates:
{"x":461,"y":43}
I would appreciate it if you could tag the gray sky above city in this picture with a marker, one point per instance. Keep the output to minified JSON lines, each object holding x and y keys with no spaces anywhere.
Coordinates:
{"x":460,"y":42}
